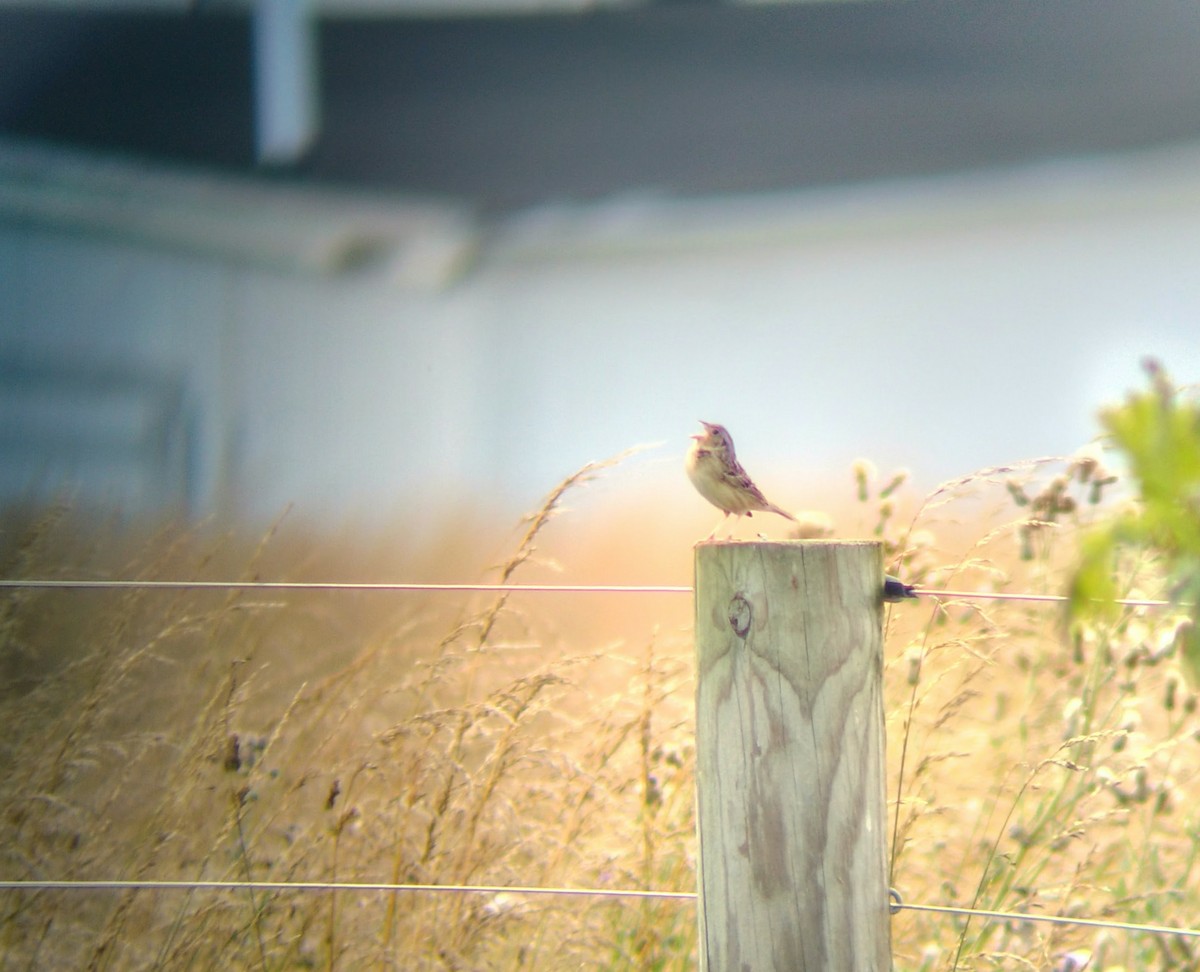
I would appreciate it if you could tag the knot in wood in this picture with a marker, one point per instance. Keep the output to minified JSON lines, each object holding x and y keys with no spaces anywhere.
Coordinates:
{"x":740,"y":615}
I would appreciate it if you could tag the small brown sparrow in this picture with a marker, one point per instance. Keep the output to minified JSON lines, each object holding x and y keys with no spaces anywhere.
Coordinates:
{"x":713,"y":468}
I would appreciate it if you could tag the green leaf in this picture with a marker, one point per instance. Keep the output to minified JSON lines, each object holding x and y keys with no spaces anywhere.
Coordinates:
{"x":1093,"y":587}
{"x":1158,"y":431}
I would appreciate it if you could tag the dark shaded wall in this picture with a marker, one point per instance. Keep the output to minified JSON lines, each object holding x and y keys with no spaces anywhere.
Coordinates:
{"x":685,"y":98}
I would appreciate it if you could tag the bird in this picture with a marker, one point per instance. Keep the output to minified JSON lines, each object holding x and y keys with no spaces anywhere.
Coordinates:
{"x":894,"y":589}
{"x":713,"y":468}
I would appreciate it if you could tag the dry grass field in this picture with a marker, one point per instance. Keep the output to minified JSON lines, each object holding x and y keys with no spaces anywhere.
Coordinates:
{"x":546,"y":740}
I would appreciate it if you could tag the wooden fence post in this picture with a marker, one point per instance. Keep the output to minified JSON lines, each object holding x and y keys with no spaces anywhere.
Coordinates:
{"x":791,"y":809}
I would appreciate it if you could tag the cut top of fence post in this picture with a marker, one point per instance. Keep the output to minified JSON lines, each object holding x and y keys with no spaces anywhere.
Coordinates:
{"x":790,"y":757}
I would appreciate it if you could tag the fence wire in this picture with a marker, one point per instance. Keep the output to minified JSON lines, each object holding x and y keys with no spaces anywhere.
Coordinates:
{"x":413,"y":587}
{"x":497,"y":889}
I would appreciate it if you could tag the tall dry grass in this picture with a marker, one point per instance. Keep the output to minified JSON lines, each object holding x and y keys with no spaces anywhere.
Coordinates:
{"x":547,"y":740}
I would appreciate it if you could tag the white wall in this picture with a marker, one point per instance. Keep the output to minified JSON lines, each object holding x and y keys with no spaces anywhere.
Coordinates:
{"x":942,"y":325}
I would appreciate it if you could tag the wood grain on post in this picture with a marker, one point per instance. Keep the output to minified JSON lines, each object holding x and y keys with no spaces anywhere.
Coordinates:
{"x":790,"y":757}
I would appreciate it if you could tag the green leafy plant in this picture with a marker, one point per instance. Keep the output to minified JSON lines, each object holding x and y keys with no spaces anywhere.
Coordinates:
{"x":1157,"y":431}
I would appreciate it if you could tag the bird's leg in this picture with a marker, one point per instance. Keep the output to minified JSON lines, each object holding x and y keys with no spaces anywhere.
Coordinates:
{"x":716,"y":528}
{"x":736,"y":520}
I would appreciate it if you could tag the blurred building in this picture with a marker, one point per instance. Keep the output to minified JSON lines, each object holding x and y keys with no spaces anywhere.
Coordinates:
{"x":367,"y":254}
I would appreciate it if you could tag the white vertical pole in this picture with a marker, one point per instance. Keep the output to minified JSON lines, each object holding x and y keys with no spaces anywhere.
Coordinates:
{"x":286,"y":115}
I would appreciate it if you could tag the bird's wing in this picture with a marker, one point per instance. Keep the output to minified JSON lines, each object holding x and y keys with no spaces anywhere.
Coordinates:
{"x":734,"y":476}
